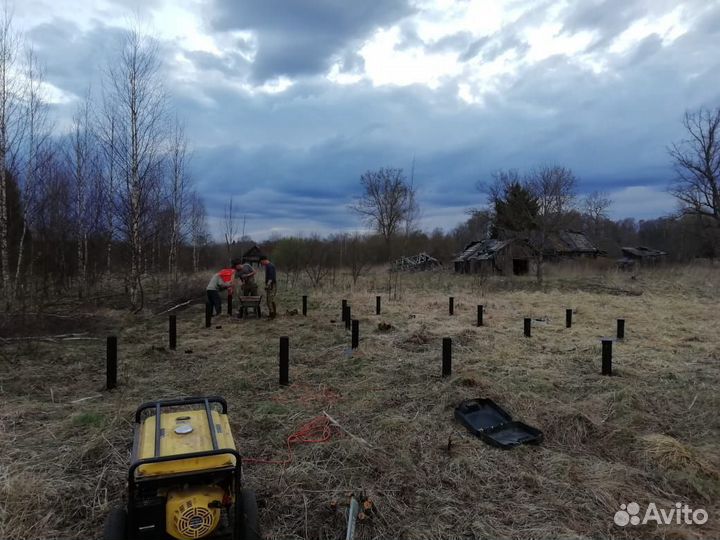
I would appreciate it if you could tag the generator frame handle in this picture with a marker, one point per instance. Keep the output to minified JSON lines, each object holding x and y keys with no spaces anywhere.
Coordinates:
{"x":179,"y":401}
{"x":176,"y":457}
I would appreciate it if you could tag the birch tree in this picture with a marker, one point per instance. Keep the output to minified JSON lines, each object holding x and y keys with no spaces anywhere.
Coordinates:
{"x":82,"y":161}
{"x":36,"y":152}
{"x":230,"y":227}
{"x":109,"y":177}
{"x":178,"y":195}
{"x":198,"y":227}
{"x":137,"y":101}
{"x":10,"y":90}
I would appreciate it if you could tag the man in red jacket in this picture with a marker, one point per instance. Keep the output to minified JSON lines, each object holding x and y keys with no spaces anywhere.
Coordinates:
{"x":222,"y":280}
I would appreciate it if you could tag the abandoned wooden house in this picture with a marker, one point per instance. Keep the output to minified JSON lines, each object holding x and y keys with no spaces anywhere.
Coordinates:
{"x":494,"y":256}
{"x":640,"y":255}
{"x":519,"y":256}
{"x":568,"y":245}
{"x":252,"y":255}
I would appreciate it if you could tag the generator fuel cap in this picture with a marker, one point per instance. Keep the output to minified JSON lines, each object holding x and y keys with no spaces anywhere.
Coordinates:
{"x":183,"y":429}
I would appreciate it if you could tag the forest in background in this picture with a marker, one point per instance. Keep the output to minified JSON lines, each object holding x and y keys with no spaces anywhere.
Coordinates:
{"x":112,"y":195}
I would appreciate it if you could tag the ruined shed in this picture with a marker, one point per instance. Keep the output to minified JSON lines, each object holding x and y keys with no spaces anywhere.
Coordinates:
{"x":567,"y":245}
{"x":494,"y":256}
{"x":640,"y":255}
{"x":416,"y":263}
{"x":252,"y":255}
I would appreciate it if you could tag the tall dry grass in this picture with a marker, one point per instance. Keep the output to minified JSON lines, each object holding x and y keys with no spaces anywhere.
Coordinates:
{"x":648,"y":434}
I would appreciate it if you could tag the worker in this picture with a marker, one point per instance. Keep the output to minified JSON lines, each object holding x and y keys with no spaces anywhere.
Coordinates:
{"x":246,"y":275}
{"x":222,"y":280}
{"x":270,"y":285}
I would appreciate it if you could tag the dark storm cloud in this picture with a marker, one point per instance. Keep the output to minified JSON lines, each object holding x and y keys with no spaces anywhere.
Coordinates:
{"x":302,"y":37}
{"x":74,"y":58}
{"x":608,"y":17}
{"x":293,"y":159}
{"x":611,"y":128}
{"x":490,"y":47}
{"x":231,"y":63}
{"x":473,"y":48}
{"x":452,"y":42}
{"x":464,"y":44}
{"x":352,"y":62}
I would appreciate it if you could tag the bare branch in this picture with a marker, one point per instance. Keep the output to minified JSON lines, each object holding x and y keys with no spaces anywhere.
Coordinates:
{"x":696,"y":161}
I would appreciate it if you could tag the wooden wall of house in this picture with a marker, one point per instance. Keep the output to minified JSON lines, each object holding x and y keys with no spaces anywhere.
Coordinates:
{"x":504,"y":258}
{"x":503,"y":262}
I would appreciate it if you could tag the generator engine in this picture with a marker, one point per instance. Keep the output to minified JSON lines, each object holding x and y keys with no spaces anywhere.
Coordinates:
{"x":193,"y":513}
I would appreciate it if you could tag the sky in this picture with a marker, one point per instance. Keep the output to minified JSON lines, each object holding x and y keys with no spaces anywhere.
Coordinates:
{"x":287,"y":102}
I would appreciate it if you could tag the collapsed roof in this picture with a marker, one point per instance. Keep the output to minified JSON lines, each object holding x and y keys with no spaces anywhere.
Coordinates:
{"x":482,"y":250}
{"x":568,"y":243}
{"x":562,"y":243}
{"x":642,"y":252}
{"x":419,"y":262}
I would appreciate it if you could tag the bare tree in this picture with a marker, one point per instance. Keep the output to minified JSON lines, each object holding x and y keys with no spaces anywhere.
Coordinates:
{"x":595,"y":207}
{"x":697,"y":165}
{"x":316,"y":260}
{"x":387,"y":202}
{"x":357,"y":256}
{"x":554,"y":188}
{"x":198,"y":227}
{"x":109,"y":176}
{"x":82,"y":160}
{"x":477,"y":227}
{"x":136,"y":101}
{"x":412,"y":216}
{"x":531,"y":207}
{"x":35,"y":151}
{"x":230,"y":226}
{"x":10,"y":116}
{"x":178,"y":195}
{"x":288,"y":253}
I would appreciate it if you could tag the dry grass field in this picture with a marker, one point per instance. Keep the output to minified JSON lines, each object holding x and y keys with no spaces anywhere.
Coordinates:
{"x":651,"y":433}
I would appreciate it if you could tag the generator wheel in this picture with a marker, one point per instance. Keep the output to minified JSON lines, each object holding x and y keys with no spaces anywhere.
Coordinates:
{"x":247,"y":525}
{"x":115,"y":525}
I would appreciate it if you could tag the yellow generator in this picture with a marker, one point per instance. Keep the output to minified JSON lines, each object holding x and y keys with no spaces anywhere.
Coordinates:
{"x":184,"y":481}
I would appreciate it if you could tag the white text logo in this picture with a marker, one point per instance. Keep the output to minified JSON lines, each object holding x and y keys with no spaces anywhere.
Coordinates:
{"x":680,"y":514}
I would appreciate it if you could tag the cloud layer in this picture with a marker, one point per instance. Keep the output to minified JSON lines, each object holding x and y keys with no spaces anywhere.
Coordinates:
{"x":287,"y":103}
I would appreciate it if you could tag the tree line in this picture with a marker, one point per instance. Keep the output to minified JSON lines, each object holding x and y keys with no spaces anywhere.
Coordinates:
{"x":110,"y":194}
{"x":533,"y":205}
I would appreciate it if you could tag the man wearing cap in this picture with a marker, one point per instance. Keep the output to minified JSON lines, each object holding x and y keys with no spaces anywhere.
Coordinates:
{"x":270,"y":285}
{"x":246,"y":274}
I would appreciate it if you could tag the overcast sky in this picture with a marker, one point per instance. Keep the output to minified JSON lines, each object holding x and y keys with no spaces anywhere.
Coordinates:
{"x":287,"y":102}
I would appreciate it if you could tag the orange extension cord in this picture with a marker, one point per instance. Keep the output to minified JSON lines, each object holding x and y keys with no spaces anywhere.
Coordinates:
{"x":318,"y":430}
